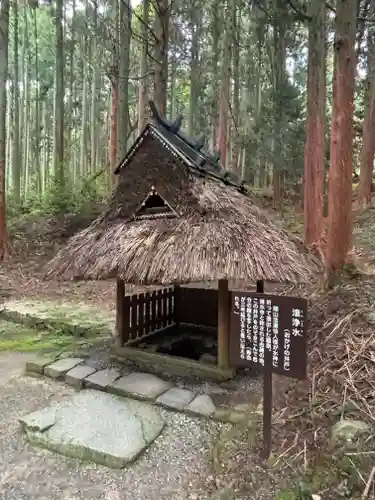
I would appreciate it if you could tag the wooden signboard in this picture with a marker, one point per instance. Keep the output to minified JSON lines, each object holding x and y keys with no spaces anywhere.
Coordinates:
{"x":269,"y":332}
{"x":262,"y":323}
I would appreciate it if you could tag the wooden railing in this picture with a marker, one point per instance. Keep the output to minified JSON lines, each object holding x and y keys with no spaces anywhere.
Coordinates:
{"x":147,"y":313}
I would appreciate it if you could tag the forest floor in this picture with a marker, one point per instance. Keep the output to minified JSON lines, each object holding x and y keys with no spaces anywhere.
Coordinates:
{"x":305,"y":458}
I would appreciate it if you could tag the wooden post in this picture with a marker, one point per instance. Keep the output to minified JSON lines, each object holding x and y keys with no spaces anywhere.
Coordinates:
{"x":121,"y":313}
{"x":267,"y":394}
{"x":177,"y":305}
{"x":223,"y":324}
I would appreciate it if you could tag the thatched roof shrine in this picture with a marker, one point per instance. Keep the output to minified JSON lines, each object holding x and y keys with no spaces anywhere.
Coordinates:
{"x":176,"y":217}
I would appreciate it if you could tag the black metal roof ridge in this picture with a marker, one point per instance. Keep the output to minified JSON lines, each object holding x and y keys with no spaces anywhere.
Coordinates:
{"x":169,"y":141}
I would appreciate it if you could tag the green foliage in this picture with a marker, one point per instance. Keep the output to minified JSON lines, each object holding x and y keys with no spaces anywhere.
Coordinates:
{"x":73,"y":198}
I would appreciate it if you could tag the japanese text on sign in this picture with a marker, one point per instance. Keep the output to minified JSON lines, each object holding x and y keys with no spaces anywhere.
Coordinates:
{"x":273,"y":324}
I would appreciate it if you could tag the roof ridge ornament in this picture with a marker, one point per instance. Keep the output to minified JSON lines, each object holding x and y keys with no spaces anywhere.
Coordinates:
{"x":173,"y":127}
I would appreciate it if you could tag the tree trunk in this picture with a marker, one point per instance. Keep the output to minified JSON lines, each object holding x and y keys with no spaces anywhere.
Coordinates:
{"x":123,"y":64}
{"x":161,"y":55}
{"x":222,"y":133}
{"x":113,"y":133}
{"x":72,"y":93}
{"x":195,"y":20}
{"x":280,"y":79}
{"x":96,"y":57}
{"x":26,"y":101}
{"x":341,"y":151}
{"x":16,"y":156}
{"x":236,"y":140}
{"x":4,"y":34}
{"x":215,"y":29}
{"x":315,"y":148}
{"x":59,"y":98}
{"x":37,"y":110}
{"x":143,"y":84}
{"x":85,"y":108}
{"x":368,"y":133}
{"x":368,"y":150}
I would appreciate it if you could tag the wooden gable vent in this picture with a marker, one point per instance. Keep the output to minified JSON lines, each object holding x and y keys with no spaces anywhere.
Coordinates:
{"x":154,"y":207}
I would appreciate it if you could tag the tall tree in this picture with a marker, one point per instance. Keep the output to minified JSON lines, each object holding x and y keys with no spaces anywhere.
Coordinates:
{"x":115,"y":82}
{"x":84,"y":101}
{"x":215,"y":16}
{"x":4,"y":35}
{"x":314,"y":147}
{"x":143,"y":85}
{"x":59,"y":97}
{"x":236,"y":115}
{"x":16,"y":157}
{"x":368,"y":137}
{"x":123,"y":65}
{"x":341,"y":149}
{"x":162,"y":14}
{"x":195,"y":25}
{"x":96,"y":52}
{"x":37,"y":107}
{"x":280,"y":15}
{"x":222,"y":132}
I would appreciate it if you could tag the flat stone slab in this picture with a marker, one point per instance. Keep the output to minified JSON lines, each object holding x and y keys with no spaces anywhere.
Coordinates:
{"x":101,"y":379}
{"x":59,"y":368}
{"x":176,"y":398}
{"x":95,"y":426}
{"x":41,"y":420}
{"x":75,"y":377}
{"x":38,"y":364}
{"x":141,"y":385}
{"x":202,"y":405}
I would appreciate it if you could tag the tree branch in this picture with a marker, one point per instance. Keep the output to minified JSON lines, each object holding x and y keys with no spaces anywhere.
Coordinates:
{"x":298,"y":10}
{"x":262,"y":8}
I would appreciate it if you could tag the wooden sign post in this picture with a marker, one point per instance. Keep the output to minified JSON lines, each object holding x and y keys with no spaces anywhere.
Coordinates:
{"x":269,"y":332}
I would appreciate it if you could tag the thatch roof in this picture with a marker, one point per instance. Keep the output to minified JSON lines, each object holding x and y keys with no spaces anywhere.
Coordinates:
{"x":208,"y":228}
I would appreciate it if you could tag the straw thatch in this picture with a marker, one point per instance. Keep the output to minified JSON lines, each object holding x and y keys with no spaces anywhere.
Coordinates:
{"x":218,"y":232}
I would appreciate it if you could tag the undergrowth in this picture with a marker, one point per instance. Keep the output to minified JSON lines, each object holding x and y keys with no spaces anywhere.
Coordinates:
{"x":73,"y":198}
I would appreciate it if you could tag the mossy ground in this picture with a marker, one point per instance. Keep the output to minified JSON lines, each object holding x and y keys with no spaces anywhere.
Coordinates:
{"x":73,"y":318}
{"x":35,"y":326}
{"x":19,"y":338}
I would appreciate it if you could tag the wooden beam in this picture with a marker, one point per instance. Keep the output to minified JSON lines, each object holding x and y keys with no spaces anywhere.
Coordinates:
{"x":223,"y":324}
{"x":122,"y":314}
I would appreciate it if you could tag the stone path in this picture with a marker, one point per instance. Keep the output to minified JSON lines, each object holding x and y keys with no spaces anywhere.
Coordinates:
{"x":95,"y":426}
{"x":178,"y":465}
{"x":136,"y":385}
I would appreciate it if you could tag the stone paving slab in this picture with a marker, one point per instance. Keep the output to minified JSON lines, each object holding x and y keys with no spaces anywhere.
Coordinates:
{"x":102,"y":378}
{"x":140,"y":385}
{"x":76,"y":376}
{"x":176,"y":398}
{"x":40,"y":420}
{"x":38,"y":364}
{"x":59,"y":368}
{"x":143,"y":386}
{"x":95,"y":426}
{"x":202,"y":405}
